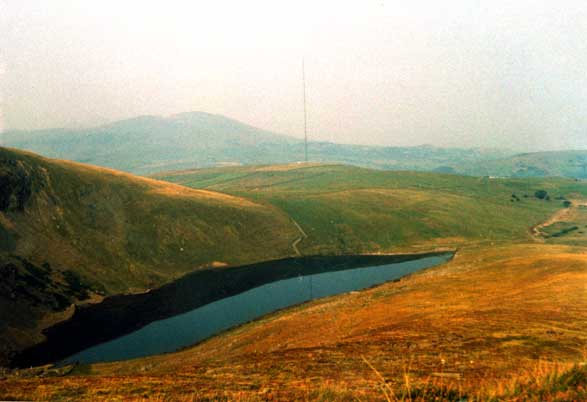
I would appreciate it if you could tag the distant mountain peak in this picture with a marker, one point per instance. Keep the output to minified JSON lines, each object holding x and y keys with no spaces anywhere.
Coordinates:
{"x":148,"y":144}
{"x":194,"y":114}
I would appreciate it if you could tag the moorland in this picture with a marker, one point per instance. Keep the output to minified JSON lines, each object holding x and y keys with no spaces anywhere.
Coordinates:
{"x":504,"y":319}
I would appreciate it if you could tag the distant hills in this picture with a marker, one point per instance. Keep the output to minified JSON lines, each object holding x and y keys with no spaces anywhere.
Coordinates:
{"x":151,"y":144}
{"x":536,"y":164}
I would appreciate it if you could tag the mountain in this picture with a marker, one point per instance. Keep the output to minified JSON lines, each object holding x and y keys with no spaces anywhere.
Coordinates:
{"x":535,"y":164}
{"x":73,"y":233}
{"x":150,"y":144}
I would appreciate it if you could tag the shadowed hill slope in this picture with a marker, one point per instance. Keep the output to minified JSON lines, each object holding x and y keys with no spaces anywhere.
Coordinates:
{"x":69,"y":232}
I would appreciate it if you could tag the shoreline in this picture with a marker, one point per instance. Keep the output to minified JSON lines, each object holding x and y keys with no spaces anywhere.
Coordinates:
{"x":130,"y":312}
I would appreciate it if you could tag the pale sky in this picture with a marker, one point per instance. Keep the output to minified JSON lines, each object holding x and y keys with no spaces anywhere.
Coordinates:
{"x":447,"y":73}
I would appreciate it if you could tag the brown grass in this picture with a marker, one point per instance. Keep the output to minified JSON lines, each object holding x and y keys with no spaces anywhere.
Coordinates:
{"x":466,"y":328}
{"x":157,"y":186}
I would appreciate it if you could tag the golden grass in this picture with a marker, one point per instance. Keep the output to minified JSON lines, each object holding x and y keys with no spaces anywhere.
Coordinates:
{"x":543,"y":382}
{"x":174,"y":190}
{"x":157,"y":186}
{"x":489,"y":323}
{"x":288,"y":166}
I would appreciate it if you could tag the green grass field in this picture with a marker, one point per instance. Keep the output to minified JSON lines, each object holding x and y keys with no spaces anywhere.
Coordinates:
{"x":350,"y":209}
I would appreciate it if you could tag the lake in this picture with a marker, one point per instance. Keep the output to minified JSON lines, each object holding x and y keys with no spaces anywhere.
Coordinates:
{"x":207,"y":302}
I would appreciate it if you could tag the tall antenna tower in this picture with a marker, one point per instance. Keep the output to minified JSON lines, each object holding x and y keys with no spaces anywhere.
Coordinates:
{"x":305,"y":114}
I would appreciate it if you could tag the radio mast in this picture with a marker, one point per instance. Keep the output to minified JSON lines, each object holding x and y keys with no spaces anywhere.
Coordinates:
{"x":305,"y":114}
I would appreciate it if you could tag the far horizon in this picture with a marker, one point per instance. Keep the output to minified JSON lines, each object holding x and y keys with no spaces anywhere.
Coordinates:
{"x":73,"y":127}
{"x":455,"y":74}
{"x":297,"y":201}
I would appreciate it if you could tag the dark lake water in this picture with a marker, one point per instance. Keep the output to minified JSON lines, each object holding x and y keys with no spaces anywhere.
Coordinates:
{"x":206,"y":303}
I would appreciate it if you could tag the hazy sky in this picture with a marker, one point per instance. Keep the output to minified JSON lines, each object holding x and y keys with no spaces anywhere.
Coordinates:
{"x":473,"y":73}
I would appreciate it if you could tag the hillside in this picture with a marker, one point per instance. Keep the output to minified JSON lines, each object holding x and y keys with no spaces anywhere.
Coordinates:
{"x":442,"y":334}
{"x":71,"y":232}
{"x":87,"y":231}
{"x":150,"y":144}
{"x":536,"y":164}
{"x":351,"y":209}
{"x":449,"y":319}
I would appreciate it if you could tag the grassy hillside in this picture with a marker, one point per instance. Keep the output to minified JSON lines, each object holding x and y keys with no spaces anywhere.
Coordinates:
{"x":350,"y":209}
{"x":442,"y":334}
{"x":71,"y":232}
{"x":446,"y":330}
{"x":149,"y":144}
{"x":536,"y":164}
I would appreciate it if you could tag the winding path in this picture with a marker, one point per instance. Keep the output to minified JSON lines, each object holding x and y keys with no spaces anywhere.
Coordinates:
{"x":297,"y":241}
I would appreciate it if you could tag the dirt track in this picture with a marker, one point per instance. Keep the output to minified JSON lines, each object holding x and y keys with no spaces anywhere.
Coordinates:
{"x":297,"y":241}
{"x":562,"y":215}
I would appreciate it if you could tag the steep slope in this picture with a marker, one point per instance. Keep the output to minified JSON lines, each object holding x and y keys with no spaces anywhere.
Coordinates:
{"x":150,"y":144}
{"x":70,"y":232}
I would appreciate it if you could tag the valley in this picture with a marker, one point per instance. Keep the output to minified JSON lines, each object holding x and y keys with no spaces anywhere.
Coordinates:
{"x":450,"y":313}
{"x":302,"y":201}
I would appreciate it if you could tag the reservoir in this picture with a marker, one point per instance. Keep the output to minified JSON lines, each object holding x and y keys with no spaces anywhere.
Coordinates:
{"x":207,"y":302}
